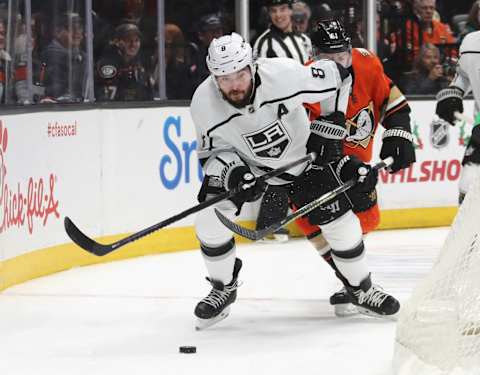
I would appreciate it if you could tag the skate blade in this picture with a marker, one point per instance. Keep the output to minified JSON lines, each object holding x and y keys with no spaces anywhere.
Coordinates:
{"x":202,"y":324}
{"x":373,"y":314}
{"x":343,"y":310}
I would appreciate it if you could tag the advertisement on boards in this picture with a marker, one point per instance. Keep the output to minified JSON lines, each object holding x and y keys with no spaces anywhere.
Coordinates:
{"x":433,"y":180}
{"x":117,"y":171}
{"x":49,"y":163}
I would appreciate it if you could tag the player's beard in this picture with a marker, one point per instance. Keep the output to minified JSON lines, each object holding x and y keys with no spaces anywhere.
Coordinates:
{"x":239,"y":101}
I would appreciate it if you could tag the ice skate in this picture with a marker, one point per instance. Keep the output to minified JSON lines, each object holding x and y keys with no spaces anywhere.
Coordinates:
{"x":342,"y":304}
{"x":371,"y":300}
{"x":216,"y":306}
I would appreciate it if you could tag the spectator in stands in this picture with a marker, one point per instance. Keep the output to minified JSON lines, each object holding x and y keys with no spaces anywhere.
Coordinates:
{"x":121,"y":73}
{"x":64,"y":62}
{"x":5,"y":59}
{"x":301,"y":17}
{"x":181,"y":79}
{"x":23,"y":95}
{"x":473,"y":21}
{"x":134,"y":11}
{"x":105,"y":17}
{"x":419,"y":29}
{"x":428,"y":76}
{"x":210,"y":26}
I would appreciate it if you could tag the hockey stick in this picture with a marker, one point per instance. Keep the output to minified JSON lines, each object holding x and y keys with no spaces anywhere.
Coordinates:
{"x":98,"y":249}
{"x":256,"y":235}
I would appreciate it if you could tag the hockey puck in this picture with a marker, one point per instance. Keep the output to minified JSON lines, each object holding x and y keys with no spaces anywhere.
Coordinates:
{"x":188,"y":349}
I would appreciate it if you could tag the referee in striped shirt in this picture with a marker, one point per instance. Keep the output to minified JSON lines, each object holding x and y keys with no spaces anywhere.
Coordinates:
{"x":280,"y":40}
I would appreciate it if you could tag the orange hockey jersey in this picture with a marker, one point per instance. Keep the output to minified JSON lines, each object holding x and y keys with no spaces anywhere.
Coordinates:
{"x":373,"y":99}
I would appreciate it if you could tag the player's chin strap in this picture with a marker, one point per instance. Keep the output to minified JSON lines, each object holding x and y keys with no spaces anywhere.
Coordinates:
{"x":98,"y":249}
{"x":256,"y":235}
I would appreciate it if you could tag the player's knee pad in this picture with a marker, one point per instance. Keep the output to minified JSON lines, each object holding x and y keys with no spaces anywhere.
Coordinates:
{"x":344,"y":233}
{"x":208,"y":227}
{"x":369,"y":219}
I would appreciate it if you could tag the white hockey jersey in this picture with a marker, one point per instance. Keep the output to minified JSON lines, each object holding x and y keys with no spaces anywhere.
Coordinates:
{"x":274,"y":129}
{"x":468,"y":69}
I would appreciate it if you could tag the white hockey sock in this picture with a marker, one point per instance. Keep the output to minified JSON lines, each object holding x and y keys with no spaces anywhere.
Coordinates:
{"x":218,"y":246}
{"x":345,"y":238}
{"x":221,"y":267}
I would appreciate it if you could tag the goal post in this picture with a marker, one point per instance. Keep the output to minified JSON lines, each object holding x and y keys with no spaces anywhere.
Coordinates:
{"x":438,"y":330}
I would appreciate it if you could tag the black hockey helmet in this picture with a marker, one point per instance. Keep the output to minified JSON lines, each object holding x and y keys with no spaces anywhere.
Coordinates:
{"x":329,"y":36}
{"x":271,"y":3}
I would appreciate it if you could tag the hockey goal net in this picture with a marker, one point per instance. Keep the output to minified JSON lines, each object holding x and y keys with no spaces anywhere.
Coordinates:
{"x":438,"y":331}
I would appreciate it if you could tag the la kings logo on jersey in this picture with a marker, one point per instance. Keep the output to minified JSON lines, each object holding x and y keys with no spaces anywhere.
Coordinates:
{"x":270,"y":142}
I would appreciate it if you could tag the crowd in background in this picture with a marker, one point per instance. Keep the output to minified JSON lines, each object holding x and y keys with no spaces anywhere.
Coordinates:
{"x":417,"y":41}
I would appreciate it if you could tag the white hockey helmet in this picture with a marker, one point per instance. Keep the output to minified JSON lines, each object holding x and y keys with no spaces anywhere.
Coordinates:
{"x":229,"y":54}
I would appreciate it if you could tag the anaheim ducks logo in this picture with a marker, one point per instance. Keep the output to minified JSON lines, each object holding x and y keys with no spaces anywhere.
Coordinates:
{"x":360,"y":128}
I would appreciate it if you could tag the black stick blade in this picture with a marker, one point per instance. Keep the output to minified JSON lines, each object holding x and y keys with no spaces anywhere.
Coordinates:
{"x":250,"y":234}
{"x":86,"y":243}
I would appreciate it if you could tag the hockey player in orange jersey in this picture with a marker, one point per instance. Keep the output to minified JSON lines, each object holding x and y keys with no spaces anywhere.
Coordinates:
{"x":374,"y":99}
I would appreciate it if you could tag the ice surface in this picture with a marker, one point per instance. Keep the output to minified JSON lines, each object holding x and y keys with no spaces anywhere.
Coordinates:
{"x":130,"y":317}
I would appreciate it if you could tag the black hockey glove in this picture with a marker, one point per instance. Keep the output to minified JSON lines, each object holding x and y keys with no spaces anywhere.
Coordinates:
{"x":449,"y":101}
{"x":251,"y":188}
{"x":351,"y":167}
{"x":398,"y":143}
{"x":326,"y":137}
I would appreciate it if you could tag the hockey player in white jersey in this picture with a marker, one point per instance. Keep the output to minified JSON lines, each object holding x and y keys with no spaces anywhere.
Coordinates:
{"x":249,"y":118}
{"x":450,"y":100}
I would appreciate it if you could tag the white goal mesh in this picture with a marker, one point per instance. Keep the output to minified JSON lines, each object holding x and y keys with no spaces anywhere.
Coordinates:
{"x":438,"y":331}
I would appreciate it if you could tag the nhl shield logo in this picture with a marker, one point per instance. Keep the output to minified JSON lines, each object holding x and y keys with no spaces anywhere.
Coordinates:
{"x":271,"y":142}
{"x":439,"y":135}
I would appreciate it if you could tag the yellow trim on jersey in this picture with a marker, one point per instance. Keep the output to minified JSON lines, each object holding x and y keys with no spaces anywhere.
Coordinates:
{"x":62,"y":257}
